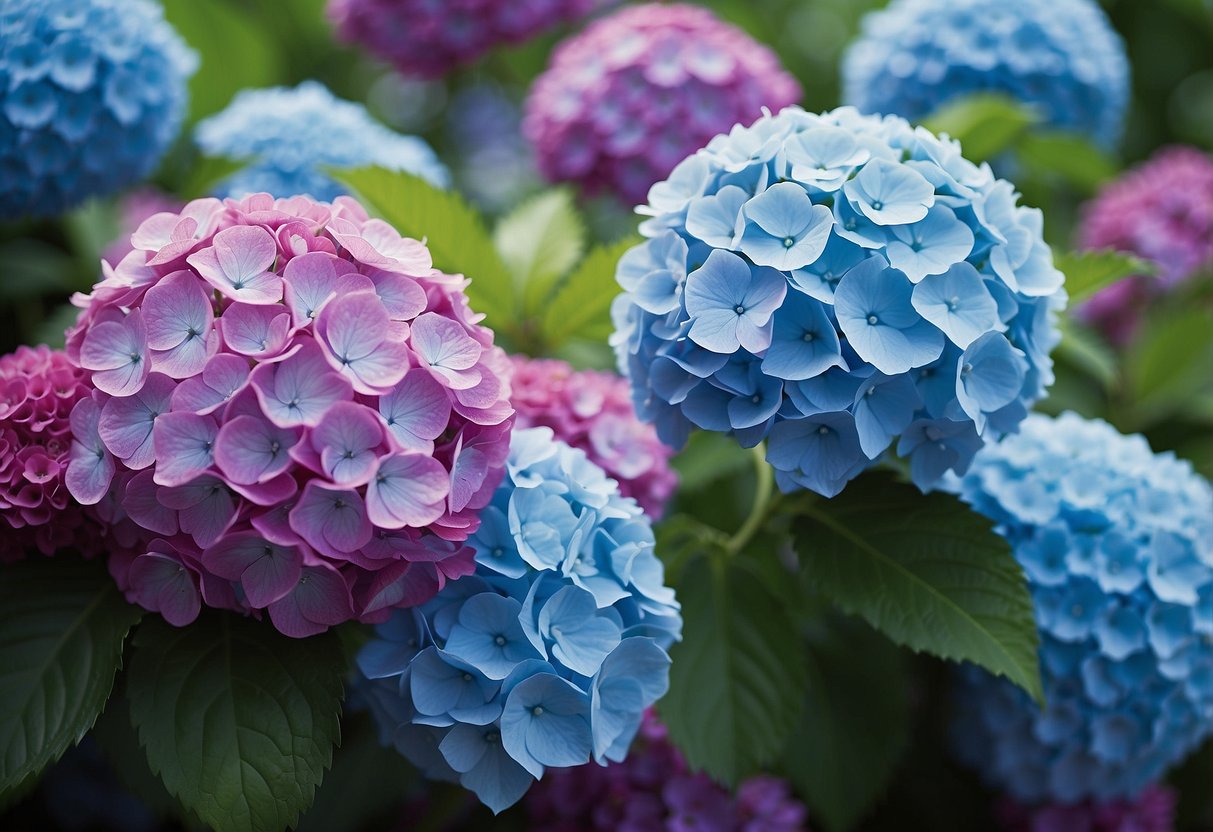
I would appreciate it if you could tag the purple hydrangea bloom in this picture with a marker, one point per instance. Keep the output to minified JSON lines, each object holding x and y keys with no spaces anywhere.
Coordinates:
{"x":843,"y":286}
{"x":1151,"y":811}
{"x":295,"y":414}
{"x":624,"y":101}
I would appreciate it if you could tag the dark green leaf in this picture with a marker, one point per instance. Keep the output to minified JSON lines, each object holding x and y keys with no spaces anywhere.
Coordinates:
{"x":736,"y":684}
{"x":581,"y":307}
{"x":925,"y":570}
{"x":62,"y":624}
{"x":238,"y":720}
{"x":985,"y":124}
{"x":1070,"y":156}
{"x":1083,"y":349}
{"x":33,"y":268}
{"x":540,"y":241}
{"x":1171,"y":360}
{"x":1089,"y":271}
{"x":709,"y":457}
{"x":120,"y":744}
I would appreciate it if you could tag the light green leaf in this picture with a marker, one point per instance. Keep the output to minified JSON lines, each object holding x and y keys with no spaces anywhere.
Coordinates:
{"x":453,"y":231}
{"x":1171,"y":360}
{"x":1084,"y":350}
{"x":985,"y":124}
{"x":238,"y":720}
{"x":62,"y":624}
{"x":581,"y":307}
{"x":540,"y":241}
{"x":926,"y":571}
{"x":1089,"y":271}
{"x":1070,"y":156}
{"x":736,"y":685}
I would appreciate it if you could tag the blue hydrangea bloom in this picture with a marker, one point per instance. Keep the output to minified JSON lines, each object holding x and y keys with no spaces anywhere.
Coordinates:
{"x":290,"y":135}
{"x":1062,"y":56}
{"x":839,"y":285}
{"x":1117,"y":546}
{"x":91,"y":94}
{"x":549,"y":654}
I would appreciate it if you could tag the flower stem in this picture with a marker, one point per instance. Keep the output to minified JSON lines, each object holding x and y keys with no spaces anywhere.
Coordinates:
{"x":765,"y":499}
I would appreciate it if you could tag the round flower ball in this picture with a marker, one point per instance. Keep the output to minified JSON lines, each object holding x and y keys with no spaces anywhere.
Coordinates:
{"x":625,"y":100}
{"x":1161,"y":211}
{"x":427,"y":39}
{"x":593,"y":411}
{"x":290,"y":136}
{"x":1060,"y":56}
{"x":549,"y":655}
{"x":299,"y":412}
{"x":1117,"y":546}
{"x":841,"y":286}
{"x":91,"y":94}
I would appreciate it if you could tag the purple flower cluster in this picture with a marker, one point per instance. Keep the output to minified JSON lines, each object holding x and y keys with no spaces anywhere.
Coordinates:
{"x":654,"y":791}
{"x":298,"y":411}
{"x":627,"y":99}
{"x":1151,"y":811}
{"x":593,"y":411}
{"x":1162,"y":211}
{"x":429,"y":38}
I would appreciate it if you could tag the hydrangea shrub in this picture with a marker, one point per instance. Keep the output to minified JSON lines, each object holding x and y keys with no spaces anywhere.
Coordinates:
{"x":289,"y":135}
{"x":91,"y":94}
{"x":1061,"y":56}
{"x":625,"y":100}
{"x":1117,"y":546}
{"x":300,"y":414}
{"x":548,"y":656}
{"x":838,"y":285}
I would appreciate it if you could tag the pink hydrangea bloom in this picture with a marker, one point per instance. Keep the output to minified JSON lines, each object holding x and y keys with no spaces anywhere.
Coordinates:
{"x":592,"y":411}
{"x":1161,"y":211}
{"x":295,"y":414}
{"x":1151,"y":811}
{"x":133,"y":208}
{"x":635,"y":93}
{"x":428,"y":38}
{"x":654,"y":791}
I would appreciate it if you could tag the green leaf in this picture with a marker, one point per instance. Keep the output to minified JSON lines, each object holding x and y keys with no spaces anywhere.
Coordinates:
{"x":62,"y":624}
{"x":238,"y":720}
{"x":1089,"y":271}
{"x":736,"y":684}
{"x":925,"y":570}
{"x":984,"y":124}
{"x":1070,"y":156}
{"x":708,"y":458}
{"x":1084,"y":350}
{"x":581,"y":307}
{"x":33,"y":268}
{"x":120,"y":744}
{"x":1171,"y":360}
{"x":453,"y":231}
{"x":855,"y":727}
{"x":540,"y":241}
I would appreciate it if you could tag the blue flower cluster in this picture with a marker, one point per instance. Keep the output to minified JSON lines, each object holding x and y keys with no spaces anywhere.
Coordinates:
{"x":289,"y":135}
{"x":550,"y":653}
{"x":833,"y":282}
{"x":91,"y":94}
{"x":1117,"y":544}
{"x":1061,"y":56}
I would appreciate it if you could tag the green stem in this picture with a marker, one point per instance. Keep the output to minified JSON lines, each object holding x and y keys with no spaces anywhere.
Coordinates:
{"x":765,"y":499}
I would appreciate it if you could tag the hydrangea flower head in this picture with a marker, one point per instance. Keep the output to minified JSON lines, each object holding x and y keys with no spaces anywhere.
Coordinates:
{"x":1161,"y":211}
{"x":298,"y":412}
{"x":625,"y":100}
{"x":1151,"y":811}
{"x":425,"y":39}
{"x":548,"y":656}
{"x":1117,"y":546}
{"x":1061,"y":56}
{"x":839,"y":285}
{"x":593,"y":411}
{"x":290,"y":135}
{"x":91,"y":94}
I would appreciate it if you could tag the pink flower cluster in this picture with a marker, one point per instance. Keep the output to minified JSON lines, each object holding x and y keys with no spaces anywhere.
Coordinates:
{"x":653,"y":791}
{"x":1151,"y":811}
{"x":1161,"y":211}
{"x":297,"y":410}
{"x":634,"y":94}
{"x":428,"y":38}
{"x":39,"y":387}
{"x":593,"y":411}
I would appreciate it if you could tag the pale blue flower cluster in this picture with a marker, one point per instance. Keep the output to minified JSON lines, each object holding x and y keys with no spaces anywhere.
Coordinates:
{"x":1061,"y":56}
{"x":549,"y":654}
{"x":1117,"y":545}
{"x":836,"y":283}
{"x":91,"y":94}
{"x":290,"y":136}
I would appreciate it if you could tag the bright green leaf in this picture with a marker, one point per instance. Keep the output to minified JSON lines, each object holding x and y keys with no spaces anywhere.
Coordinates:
{"x":1171,"y":360}
{"x":985,"y":124}
{"x":1070,"y":156}
{"x":62,"y":624}
{"x":581,"y":307}
{"x":736,"y":685}
{"x":1084,"y":350}
{"x":1089,"y":271}
{"x":540,"y":241}
{"x":927,"y":571}
{"x":238,"y":720}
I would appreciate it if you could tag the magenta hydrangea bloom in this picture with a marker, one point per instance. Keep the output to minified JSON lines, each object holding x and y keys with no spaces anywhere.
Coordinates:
{"x":427,"y":39}
{"x":634,"y":94}
{"x":592,"y":410}
{"x":1151,"y":811}
{"x":1161,"y":211}
{"x":653,"y":790}
{"x":295,"y":414}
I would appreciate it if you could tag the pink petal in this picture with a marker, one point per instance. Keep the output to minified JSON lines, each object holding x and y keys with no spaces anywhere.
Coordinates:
{"x":346,"y":439}
{"x":332,"y":521}
{"x":188,"y":358}
{"x":222,"y":377}
{"x":321,"y":599}
{"x":381,"y":370}
{"x":141,"y":502}
{"x":255,"y":331}
{"x":236,"y":264}
{"x":126,"y":423}
{"x":271,"y":492}
{"x":402,"y":296}
{"x":443,"y":342}
{"x":91,"y":467}
{"x":266,"y":571}
{"x":175,"y":309}
{"x":185,"y":447}
{"x":407,"y":490}
{"x":206,"y":509}
{"x":164,"y":584}
{"x":300,"y":389}
{"x":416,"y":411}
{"x":252,"y":450}
{"x":399,"y":585}
{"x":109,"y":345}
{"x":467,"y":476}
{"x":310,"y":280}
{"x":350,"y":327}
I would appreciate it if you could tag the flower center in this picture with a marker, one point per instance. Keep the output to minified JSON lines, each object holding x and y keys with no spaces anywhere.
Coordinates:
{"x":739,"y":309}
{"x":788,"y":242}
{"x":499,"y":641}
{"x":873,"y":320}
{"x":537,"y":710}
